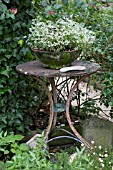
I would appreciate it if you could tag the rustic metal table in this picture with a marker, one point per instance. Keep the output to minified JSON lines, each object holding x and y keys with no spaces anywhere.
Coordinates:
{"x":36,"y":70}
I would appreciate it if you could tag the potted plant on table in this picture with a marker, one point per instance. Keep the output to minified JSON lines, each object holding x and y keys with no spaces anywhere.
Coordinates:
{"x":57,"y":43}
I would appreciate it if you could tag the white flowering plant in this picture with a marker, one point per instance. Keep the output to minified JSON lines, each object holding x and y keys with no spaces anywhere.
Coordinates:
{"x":64,"y":34}
{"x":99,"y":158}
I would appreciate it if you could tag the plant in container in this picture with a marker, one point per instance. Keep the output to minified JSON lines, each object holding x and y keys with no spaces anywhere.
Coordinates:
{"x":57,"y":43}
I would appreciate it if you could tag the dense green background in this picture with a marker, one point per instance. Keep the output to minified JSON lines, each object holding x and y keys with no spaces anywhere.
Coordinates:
{"x":17,"y":92}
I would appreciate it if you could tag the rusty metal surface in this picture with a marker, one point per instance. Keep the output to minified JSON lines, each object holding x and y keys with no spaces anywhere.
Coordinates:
{"x":36,"y":68}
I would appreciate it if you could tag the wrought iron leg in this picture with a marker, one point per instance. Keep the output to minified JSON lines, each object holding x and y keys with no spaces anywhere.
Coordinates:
{"x":54,"y":92}
{"x":68,"y":115}
{"x":51,"y":117}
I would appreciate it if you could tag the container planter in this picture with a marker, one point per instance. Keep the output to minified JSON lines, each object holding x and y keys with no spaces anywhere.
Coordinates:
{"x":57,"y":43}
{"x":56,"y":60}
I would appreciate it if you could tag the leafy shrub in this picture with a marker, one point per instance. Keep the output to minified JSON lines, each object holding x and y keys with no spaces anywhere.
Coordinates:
{"x":102,"y":52}
{"x":8,"y":145}
{"x":100,"y":20}
{"x":23,"y":157}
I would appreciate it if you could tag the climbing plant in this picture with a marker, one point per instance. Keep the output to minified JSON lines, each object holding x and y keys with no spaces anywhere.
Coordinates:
{"x":18,"y":93}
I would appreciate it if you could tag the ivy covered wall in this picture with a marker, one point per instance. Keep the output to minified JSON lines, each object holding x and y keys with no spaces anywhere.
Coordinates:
{"x":17,"y":92}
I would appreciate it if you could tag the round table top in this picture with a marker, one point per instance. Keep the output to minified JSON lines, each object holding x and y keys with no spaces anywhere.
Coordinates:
{"x":35,"y":68}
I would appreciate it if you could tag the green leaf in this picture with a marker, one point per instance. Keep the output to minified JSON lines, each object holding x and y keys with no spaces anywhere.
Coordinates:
{"x":2,"y":16}
{"x":21,"y":127}
{"x":1,"y":149}
{"x":19,"y":137}
{"x":5,"y":73}
{"x":13,"y":150}
{"x":12,"y":16}
{"x":6,"y":152}
{"x":8,"y":56}
{"x":44,"y":2}
{"x":24,"y":147}
{"x":20,"y":42}
{"x":1,"y":164}
{"x":5,"y":134}
{"x":65,"y":1}
{"x":2,"y":91}
{"x":7,"y":1}
{"x":2,"y":6}
{"x":48,"y":8}
{"x":9,"y":164}
{"x":57,"y":6}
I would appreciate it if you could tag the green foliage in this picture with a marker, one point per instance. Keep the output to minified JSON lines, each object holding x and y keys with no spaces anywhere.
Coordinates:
{"x":18,"y":93}
{"x":100,"y":20}
{"x":98,"y":17}
{"x":60,"y":35}
{"x":102,"y":23}
{"x":23,"y":157}
{"x":20,"y":156}
{"x":8,"y":145}
{"x":98,"y":158}
{"x":82,"y":160}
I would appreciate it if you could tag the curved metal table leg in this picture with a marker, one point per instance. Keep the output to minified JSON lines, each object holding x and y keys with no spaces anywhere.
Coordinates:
{"x":51,"y":117}
{"x":54,"y":92}
{"x":68,"y":115}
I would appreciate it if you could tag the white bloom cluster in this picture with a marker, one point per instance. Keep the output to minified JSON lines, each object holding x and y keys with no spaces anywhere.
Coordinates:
{"x":62,"y":35}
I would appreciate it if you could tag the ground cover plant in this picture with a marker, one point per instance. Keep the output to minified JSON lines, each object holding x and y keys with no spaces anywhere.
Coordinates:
{"x":20,"y":156}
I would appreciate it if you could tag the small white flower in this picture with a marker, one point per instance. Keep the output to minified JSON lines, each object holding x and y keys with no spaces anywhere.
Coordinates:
{"x":106,"y":155}
{"x":102,"y":165}
{"x":100,"y":147}
{"x":82,"y":145}
{"x":58,"y":36}
{"x":106,"y":151}
{"x":100,"y":160}
{"x":92,"y":142}
{"x":35,"y":97}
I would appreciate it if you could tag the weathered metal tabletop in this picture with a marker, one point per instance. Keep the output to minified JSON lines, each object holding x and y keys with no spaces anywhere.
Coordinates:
{"x":36,"y":69}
